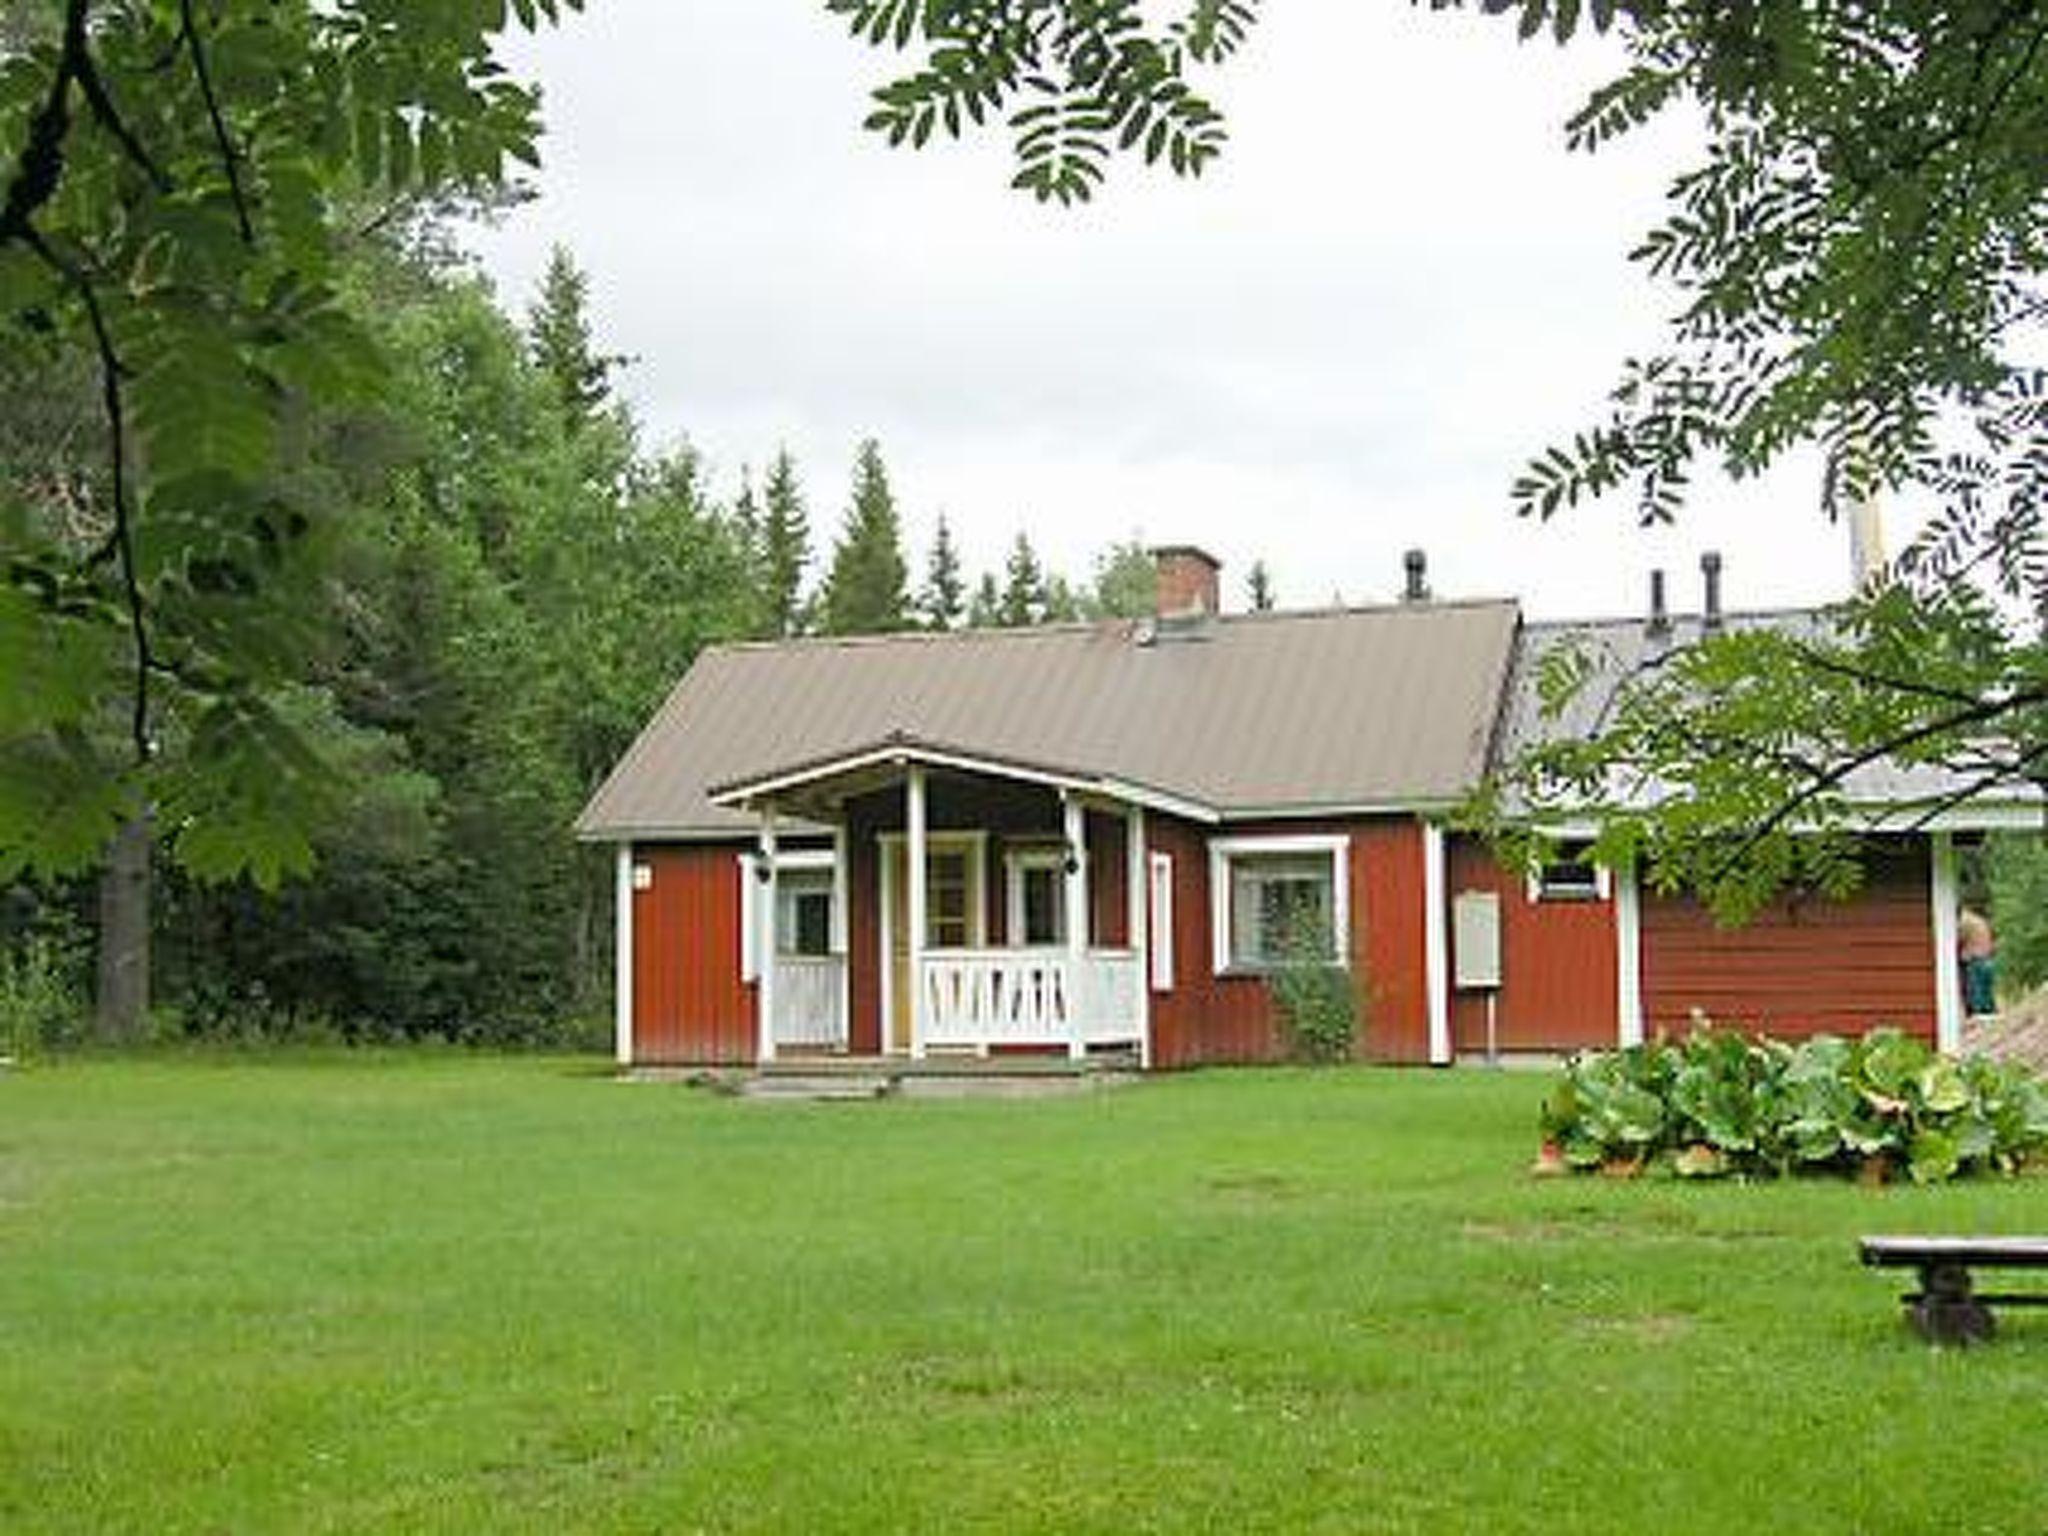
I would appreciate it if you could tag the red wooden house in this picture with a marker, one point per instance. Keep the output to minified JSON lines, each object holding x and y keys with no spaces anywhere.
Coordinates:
{"x":1094,"y":838}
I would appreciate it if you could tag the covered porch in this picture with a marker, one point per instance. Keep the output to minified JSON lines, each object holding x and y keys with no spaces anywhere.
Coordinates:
{"x":965,"y":906}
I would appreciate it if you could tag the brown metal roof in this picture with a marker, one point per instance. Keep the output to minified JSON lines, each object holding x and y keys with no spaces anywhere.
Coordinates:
{"x":1247,"y":714}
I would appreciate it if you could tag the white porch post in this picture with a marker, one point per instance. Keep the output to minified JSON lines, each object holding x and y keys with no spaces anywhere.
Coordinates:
{"x":764,"y":989}
{"x":1076,"y":867}
{"x":1136,"y":892}
{"x":840,"y":879}
{"x":913,"y":815}
{"x":1628,"y":955}
{"x":1948,"y":974}
{"x":1436,"y":966}
{"x":622,"y":957}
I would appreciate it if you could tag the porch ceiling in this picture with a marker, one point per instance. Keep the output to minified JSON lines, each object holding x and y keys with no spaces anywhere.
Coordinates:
{"x":820,"y":788}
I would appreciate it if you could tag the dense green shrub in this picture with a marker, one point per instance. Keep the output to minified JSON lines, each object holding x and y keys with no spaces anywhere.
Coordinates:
{"x":1316,"y":1000}
{"x":1719,"y":1102}
{"x":41,"y":1003}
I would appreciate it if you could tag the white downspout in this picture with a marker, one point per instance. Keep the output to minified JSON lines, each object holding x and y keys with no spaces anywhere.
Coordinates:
{"x":1075,"y":865}
{"x":913,"y":793}
{"x":622,"y":957}
{"x":1137,"y":892}
{"x":1436,"y":945}
{"x":764,"y":989}
{"x":1948,"y":973}
{"x":1628,"y":956}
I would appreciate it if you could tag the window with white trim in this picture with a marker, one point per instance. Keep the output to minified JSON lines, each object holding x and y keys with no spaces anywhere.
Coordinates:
{"x":1036,"y":904}
{"x":1159,"y":926}
{"x":803,"y":906}
{"x":803,"y":917}
{"x":1568,"y":873}
{"x":1278,"y":898}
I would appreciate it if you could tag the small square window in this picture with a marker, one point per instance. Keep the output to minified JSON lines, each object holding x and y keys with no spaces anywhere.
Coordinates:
{"x":803,"y":926}
{"x":1569,"y":874}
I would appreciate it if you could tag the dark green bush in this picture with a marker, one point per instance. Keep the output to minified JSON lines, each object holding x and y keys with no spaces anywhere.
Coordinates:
{"x":1316,"y":1000}
{"x":1720,"y":1102}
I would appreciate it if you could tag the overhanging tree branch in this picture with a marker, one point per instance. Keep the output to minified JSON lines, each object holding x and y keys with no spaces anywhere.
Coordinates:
{"x":230,"y":162}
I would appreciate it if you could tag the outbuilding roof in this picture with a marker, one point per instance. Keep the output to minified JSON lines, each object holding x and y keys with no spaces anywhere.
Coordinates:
{"x":1241,"y":715}
{"x":1618,"y":652}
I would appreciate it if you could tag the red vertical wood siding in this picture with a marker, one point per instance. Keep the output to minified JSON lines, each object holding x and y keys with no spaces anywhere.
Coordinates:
{"x":1387,"y":912}
{"x":1559,"y":984}
{"x":1804,"y":965}
{"x":1109,"y":920}
{"x":1209,"y":1018}
{"x":689,"y":1004}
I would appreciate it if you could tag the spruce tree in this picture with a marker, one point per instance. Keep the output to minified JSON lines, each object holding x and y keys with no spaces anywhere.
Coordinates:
{"x":1023,"y":600}
{"x":785,"y":544}
{"x":944,"y":599}
{"x":558,"y":338}
{"x":864,"y":592}
{"x":1258,"y":585}
{"x":1062,"y":605}
{"x":986,"y":611}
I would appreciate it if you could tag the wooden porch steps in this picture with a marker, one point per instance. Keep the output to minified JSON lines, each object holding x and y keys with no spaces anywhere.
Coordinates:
{"x":828,"y":1078}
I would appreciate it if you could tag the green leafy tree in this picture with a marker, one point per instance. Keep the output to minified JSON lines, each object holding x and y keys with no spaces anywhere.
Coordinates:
{"x":2016,"y":869}
{"x":1126,"y":584}
{"x":944,"y":598}
{"x":865,"y":589}
{"x":785,"y":545}
{"x":175,"y":176}
{"x":1075,"y":78}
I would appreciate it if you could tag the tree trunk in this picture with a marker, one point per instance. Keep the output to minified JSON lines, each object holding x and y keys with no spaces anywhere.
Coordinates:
{"x":121,"y":998}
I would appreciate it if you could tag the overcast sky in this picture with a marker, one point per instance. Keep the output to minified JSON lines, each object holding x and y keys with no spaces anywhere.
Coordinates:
{"x":1343,"y":340}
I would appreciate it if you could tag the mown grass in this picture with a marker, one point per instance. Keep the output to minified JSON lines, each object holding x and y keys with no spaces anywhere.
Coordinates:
{"x":351,"y":1293}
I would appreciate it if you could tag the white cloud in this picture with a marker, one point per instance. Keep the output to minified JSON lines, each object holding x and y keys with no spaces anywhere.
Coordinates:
{"x":1342,"y":341}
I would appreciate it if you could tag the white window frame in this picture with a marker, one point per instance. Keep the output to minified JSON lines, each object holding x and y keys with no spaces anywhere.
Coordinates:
{"x":1016,"y":863}
{"x":1159,"y":920}
{"x":1336,"y":846}
{"x":806,"y":882}
{"x":1541,"y":890}
{"x":788,"y":861}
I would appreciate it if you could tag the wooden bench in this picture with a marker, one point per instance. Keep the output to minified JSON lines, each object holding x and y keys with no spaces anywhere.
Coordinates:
{"x":1948,"y":1308}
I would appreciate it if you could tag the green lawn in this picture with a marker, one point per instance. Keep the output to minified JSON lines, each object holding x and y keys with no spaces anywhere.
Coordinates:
{"x":451,"y":1293}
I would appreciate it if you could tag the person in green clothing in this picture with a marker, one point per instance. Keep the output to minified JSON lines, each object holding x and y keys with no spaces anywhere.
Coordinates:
{"x":1977,"y":947}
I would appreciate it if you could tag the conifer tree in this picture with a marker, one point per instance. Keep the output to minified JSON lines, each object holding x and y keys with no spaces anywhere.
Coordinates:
{"x":1062,"y":605}
{"x":1258,"y":587}
{"x":558,"y":337}
{"x":785,"y":545}
{"x":986,"y":610}
{"x":1023,"y":599}
{"x":944,"y":599}
{"x":865,"y":590}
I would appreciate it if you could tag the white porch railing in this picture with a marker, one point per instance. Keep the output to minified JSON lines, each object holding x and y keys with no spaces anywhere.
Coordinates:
{"x":979,"y":998}
{"x":810,"y":995}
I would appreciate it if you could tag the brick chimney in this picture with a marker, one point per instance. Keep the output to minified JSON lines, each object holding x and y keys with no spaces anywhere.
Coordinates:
{"x":1187,"y":581}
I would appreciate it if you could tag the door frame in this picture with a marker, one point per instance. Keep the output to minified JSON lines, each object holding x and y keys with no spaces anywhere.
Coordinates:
{"x":976,"y":845}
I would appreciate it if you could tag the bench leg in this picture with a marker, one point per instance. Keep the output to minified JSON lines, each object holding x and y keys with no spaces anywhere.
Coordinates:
{"x":1947,"y":1311}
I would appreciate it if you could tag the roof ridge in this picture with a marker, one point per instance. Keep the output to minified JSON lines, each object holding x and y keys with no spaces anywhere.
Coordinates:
{"x":1008,"y":632}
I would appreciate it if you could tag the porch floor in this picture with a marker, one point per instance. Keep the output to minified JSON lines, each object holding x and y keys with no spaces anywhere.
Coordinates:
{"x":960,"y":1075}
